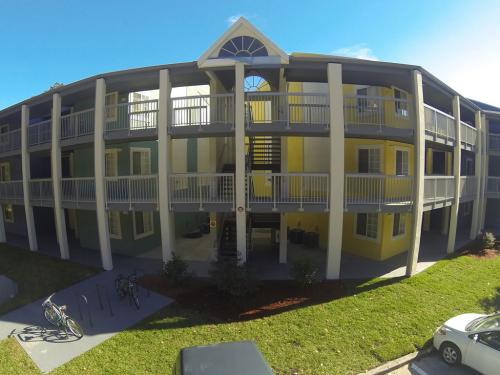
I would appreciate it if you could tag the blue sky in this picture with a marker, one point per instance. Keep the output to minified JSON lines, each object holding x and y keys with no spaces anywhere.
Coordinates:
{"x":49,"y":41}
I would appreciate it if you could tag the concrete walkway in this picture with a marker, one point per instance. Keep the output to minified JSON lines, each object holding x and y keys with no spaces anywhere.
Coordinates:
{"x":101,"y":318}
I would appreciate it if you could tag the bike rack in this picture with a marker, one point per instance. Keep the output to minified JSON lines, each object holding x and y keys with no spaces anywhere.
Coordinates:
{"x":102,"y":289}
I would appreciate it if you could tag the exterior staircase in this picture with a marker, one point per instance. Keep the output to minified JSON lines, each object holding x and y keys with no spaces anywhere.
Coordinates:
{"x":264,"y":154}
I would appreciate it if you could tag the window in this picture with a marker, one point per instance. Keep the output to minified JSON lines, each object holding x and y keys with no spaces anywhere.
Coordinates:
{"x":8,"y":213}
{"x":491,"y":339}
{"x":401,"y":103}
{"x":4,"y":138}
{"x":367,"y":225}
{"x":140,"y":112}
{"x":399,"y":225}
{"x":111,"y":106}
{"x":111,"y":162}
{"x":401,"y":163}
{"x":367,"y":100}
{"x":467,"y":208}
{"x":140,"y":161}
{"x":469,"y":167}
{"x":369,"y":160}
{"x":114,"y":224}
{"x":245,"y":46}
{"x":5,"y":171}
{"x":143,"y":224}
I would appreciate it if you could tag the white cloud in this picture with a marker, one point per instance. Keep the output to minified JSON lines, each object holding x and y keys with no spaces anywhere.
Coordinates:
{"x":358,"y":51}
{"x":232,"y":19}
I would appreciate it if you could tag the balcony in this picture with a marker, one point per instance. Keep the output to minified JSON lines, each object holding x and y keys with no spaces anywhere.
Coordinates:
{"x":378,"y":116}
{"x":287,"y":113}
{"x":10,"y":142}
{"x":468,"y":188}
{"x":374,"y":192}
{"x":202,"y":115}
{"x":439,"y":126}
{"x":287,"y":192}
{"x":11,"y":192}
{"x":493,"y":187}
{"x":132,"y":192}
{"x":137,"y":119}
{"x":78,"y":192}
{"x":493,"y":142}
{"x":41,"y":193}
{"x":77,"y":127}
{"x":191,"y":192}
{"x":468,"y":137}
{"x":439,"y":191}
{"x":39,"y":135}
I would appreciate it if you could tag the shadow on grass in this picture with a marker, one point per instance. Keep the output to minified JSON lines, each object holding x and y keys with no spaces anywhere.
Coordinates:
{"x":491,"y":304}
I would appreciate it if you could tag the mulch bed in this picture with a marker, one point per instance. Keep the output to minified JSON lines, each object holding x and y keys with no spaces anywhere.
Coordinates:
{"x":475,"y":249}
{"x":273,"y":297}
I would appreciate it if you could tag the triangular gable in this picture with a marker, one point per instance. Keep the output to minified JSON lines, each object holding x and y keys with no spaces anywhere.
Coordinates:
{"x":242,"y":28}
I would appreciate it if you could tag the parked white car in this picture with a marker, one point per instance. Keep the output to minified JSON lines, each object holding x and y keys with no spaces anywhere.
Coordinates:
{"x":471,"y":339}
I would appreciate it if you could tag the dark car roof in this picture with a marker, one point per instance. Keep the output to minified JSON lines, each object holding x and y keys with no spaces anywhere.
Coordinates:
{"x":229,"y":358}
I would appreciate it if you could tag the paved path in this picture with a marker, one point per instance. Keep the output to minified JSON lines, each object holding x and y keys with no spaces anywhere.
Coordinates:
{"x":99,"y":319}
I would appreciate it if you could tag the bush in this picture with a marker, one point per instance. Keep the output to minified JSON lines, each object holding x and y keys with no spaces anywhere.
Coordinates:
{"x":232,"y":278}
{"x":304,"y":272}
{"x":489,"y":240}
{"x":175,"y":270}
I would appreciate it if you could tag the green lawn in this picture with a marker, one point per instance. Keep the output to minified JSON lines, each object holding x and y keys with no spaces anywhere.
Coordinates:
{"x":378,"y":321}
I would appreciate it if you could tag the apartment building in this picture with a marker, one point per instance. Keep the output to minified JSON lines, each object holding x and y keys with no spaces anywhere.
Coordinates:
{"x":249,"y":152}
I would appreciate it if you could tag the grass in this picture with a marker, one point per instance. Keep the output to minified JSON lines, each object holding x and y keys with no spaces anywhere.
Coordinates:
{"x":376,"y":321}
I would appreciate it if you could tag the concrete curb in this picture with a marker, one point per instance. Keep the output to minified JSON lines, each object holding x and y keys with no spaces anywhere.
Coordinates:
{"x":397,"y":363}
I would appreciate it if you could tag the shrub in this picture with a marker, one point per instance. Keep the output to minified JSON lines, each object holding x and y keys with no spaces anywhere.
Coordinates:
{"x":488,"y":240}
{"x":304,"y":272}
{"x":232,"y":278}
{"x":175,"y":270}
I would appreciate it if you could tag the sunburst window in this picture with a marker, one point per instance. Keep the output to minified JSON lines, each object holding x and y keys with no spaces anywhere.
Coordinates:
{"x":243,"y":46}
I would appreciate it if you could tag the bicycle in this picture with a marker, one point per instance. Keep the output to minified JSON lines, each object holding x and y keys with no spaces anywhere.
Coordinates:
{"x":127,"y":286}
{"x":56,"y":315}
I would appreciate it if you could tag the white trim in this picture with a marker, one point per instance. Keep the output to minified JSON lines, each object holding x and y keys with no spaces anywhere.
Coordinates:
{"x":145,"y":234}
{"x":116,"y":236}
{"x":139,"y":149}
{"x":402,"y":215}
{"x":111,"y":114}
{"x":403,"y":149}
{"x":115,"y":152}
{"x":381,"y":148}
{"x":362,"y":237}
{"x":2,"y":177}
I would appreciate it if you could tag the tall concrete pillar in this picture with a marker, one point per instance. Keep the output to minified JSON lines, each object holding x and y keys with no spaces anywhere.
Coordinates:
{"x":452,"y":233}
{"x":26,"y":169}
{"x":165,"y":166}
{"x":476,"y":206}
{"x":62,"y":238}
{"x":336,"y":180}
{"x":418,"y":178}
{"x":99,"y":169}
{"x":485,"y":166}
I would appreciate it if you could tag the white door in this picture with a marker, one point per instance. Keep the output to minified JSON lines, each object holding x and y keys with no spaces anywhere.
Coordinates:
{"x":483,"y":354}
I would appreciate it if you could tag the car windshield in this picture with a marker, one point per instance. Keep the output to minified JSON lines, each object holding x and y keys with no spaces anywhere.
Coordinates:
{"x":484,"y":323}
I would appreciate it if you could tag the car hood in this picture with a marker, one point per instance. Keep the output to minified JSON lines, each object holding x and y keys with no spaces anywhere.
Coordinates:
{"x":459,"y":322}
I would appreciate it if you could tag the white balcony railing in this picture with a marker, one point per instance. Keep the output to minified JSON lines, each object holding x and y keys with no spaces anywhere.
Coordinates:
{"x":439,"y":188}
{"x":10,"y":141}
{"x":11,"y":190}
{"x":439,"y":123}
{"x":41,"y":192}
{"x":132,"y":116}
{"x":140,"y":189}
{"x":493,"y":186}
{"x":287,"y":108}
{"x":375,"y":189}
{"x":201,"y":188}
{"x":468,"y":134}
{"x":468,"y":186}
{"x":201,"y":110}
{"x":39,"y":133}
{"x":494,"y":142}
{"x":378,"y":111}
{"x":77,"y":124}
{"x":78,"y":190}
{"x":288,"y":188}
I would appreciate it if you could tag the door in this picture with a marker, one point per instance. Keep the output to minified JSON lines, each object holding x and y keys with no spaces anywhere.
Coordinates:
{"x":483,"y":354}
{"x":438,"y":163}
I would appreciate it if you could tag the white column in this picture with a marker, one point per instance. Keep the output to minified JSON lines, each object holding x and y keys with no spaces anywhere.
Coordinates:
{"x":445,"y":220}
{"x":164,"y":166}
{"x":419,"y":172}
{"x":485,"y":167}
{"x":452,"y":233}
{"x":3,"y":237}
{"x":239,"y":176}
{"x":99,"y":170}
{"x":62,"y":238}
{"x":475,"y":222}
{"x":336,"y":180}
{"x":25,"y":166}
